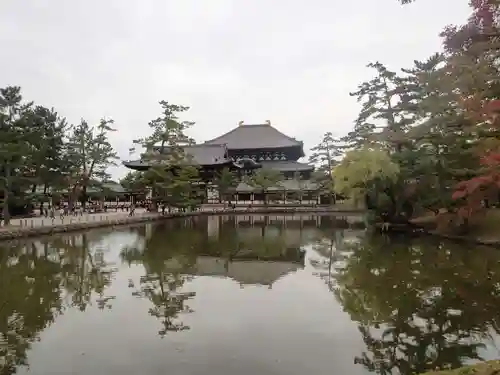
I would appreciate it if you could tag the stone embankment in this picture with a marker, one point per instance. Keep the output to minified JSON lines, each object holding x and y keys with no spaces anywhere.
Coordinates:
{"x":38,"y":226}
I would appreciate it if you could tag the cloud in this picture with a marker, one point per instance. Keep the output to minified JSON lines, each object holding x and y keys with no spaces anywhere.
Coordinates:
{"x":290,"y":61}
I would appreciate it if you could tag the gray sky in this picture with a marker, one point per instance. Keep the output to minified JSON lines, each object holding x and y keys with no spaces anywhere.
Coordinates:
{"x":289,"y":61}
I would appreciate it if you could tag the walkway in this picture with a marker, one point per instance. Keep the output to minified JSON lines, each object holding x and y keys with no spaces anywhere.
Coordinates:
{"x":39,"y":221}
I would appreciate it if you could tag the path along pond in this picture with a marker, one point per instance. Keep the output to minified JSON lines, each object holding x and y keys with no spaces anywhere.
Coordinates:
{"x":245,"y":295}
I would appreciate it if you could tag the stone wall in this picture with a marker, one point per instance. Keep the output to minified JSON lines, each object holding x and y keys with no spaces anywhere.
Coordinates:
{"x":9,"y":233}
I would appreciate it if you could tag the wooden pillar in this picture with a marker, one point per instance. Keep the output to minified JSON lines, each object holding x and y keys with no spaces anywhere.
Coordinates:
{"x":252,"y":197}
{"x":284,"y":196}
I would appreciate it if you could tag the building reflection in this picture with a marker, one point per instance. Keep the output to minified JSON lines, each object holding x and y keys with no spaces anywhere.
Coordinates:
{"x":42,"y":279}
{"x":248,"y":249}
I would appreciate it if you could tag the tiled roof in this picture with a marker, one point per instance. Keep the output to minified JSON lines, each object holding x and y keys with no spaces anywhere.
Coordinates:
{"x":254,"y":137}
{"x":284,"y":166}
{"x":207,"y":154}
{"x":243,"y":271}
{"x":202,"y":154}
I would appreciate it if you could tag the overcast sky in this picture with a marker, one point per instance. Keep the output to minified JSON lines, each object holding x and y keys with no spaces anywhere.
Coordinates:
{"x":289,"y":61}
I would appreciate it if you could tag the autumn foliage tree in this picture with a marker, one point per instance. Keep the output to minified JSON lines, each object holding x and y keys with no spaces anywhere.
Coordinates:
{"x":437,"y":120}
{"x":478,"y":190}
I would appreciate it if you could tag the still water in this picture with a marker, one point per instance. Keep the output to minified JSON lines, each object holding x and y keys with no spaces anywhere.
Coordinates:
{"x":244,"y":295}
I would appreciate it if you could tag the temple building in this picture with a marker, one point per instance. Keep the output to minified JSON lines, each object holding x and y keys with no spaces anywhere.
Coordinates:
{"x":245,"y":149}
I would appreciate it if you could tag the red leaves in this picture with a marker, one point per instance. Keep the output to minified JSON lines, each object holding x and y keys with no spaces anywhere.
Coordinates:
{"x":483,"y":13}
{"x":469,"y":187}
{"x":491,"y":160}
{"x":475,"y":190}
{"x":492,"y":108}
{"x":482,"y":22}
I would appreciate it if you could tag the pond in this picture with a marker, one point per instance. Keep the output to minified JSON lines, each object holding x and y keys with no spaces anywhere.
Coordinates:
{"x":245,"y":295}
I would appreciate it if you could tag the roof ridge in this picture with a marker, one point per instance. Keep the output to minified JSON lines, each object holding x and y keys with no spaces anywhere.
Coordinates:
{"x":223,"y":135}
{"x":207,"y":145}
{"x":211,"y":141}
{"x":283,"y":134}
{"x":199,"y":145}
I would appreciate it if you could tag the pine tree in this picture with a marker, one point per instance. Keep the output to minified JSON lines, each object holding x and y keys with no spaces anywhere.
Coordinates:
{"x":225,"y":180}
{"x":324,"y":156}
{"x":47,"y":165}
{"x":14,"y":145}
{"x":173,"y":178}
{"x":90,"y":153}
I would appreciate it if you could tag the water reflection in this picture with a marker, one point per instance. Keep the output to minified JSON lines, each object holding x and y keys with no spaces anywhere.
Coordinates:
{"x":419,"y":304}
{"x":250,"y":250}
{"x":41,"y":279}
{"x":38,"y":281}
{"x":225,"y":294}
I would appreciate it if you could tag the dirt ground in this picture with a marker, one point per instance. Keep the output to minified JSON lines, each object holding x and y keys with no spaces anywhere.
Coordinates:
{"x":484,"y":226}
{"x":485,"y":368}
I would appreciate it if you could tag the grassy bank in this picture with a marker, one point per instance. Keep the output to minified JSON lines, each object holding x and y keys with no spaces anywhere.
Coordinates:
{"x":485,"y":368}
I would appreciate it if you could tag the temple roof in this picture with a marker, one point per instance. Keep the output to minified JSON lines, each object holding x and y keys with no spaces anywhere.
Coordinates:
{"x":260,"y":136}
{"x":202,"y":154}
{"x":245,"y":272}
{"x":207,"y":154}
{"x":286,"y":166}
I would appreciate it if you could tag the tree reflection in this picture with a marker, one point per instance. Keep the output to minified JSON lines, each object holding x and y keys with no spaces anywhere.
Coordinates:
{"x":175,"y":252}
{"x":35,"y":279}
{"x":166,"y":261}
{"x":420,"y":304}
{"x":84,"y":269}
{"x":29,"y":301}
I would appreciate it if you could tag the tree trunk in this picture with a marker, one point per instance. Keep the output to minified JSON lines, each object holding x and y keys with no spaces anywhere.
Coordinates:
{"x":6,"y":197}
{"x":154,"y":205}
{"x":72,"y":196}
{"x":83,"y":197}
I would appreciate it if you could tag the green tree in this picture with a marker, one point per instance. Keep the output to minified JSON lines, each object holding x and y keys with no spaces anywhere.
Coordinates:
{"x":47,"y":165}
{"x":133,"y":181}
{"x":178,"y":187}
{"x":324,"y":156}
{"x":90,"y":154}
{"x":263,"y":180}
{"x":381,"y":108}
{"x":173,"y":176}
{"x":168,"y":133}
{"x":368,"y":173}
{"x":225,"y":180}
{"x":15,"y":147}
